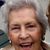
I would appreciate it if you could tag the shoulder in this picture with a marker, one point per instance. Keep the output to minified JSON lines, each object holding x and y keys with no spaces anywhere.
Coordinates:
{"x":8,"y":47}
{"x":45,"y":46}
{"x":48,"y":46}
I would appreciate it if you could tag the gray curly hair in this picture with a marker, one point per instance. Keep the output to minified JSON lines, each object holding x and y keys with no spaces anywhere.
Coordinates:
{"x":18,"y":4}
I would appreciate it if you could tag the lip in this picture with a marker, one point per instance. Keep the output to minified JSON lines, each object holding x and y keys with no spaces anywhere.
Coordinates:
{"x":25,"y":44}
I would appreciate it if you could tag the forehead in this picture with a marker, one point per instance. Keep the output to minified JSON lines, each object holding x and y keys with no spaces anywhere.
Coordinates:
{"x":22,"y":15}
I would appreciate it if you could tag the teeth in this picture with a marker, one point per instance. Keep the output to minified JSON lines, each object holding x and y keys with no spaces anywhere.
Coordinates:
{"x":25,"y":45}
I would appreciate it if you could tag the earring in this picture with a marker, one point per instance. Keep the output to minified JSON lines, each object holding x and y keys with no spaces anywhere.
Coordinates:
{"x":10,"y":41}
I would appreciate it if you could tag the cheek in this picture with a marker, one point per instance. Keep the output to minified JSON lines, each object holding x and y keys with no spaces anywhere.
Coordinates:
{"x":13,"y":37}
{"x":36,"y":35}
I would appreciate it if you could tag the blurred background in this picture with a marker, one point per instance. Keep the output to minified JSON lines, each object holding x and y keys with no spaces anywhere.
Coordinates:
{"x":2,"y":2}
{"x":3,"y":37}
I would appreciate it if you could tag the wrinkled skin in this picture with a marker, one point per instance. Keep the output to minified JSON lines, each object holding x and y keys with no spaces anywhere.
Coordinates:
{"x":24,"y":29}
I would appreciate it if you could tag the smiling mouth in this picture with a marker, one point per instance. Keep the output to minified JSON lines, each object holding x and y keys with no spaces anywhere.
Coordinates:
{"x":25,"y":45}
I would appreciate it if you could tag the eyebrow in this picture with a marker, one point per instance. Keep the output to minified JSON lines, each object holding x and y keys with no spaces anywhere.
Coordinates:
{"x":15,"y":25}
{"x":29,"y":23}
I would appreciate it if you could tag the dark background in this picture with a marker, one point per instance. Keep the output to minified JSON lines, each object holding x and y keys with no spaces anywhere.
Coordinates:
{"x":1,"y":2}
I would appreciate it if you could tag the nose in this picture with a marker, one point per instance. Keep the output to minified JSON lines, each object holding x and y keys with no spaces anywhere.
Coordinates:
{"x":23,"y":35}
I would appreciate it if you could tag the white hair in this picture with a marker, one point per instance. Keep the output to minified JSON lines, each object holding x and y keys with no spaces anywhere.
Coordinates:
{"x":11,"y":4}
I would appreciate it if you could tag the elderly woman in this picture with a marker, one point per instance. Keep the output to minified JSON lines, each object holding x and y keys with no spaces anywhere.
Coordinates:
{"x":26,"y":25}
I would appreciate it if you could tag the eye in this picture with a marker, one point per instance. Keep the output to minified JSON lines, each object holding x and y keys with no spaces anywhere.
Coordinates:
{"x":15,"y":28}
{"x":30,"y":26}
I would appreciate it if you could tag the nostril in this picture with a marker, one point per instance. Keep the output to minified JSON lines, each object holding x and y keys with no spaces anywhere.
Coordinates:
{"x":24,"y":36}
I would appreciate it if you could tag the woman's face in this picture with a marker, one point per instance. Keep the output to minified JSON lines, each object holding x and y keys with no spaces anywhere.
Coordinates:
{"x":24,"y":30}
